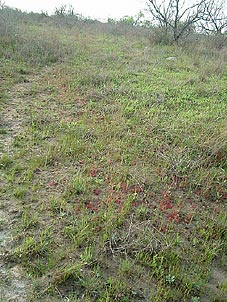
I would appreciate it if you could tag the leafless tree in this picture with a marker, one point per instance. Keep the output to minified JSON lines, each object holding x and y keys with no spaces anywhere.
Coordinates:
{"x":214,"y":20}
{"x":2,"y":4}
{"x":64,"y":10}
{"x":178,"y":16}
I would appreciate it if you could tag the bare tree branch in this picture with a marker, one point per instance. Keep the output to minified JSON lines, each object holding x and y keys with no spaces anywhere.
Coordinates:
{"x":2,"y":4}
{"x":214,"y":19}
{"x":176,"y":15}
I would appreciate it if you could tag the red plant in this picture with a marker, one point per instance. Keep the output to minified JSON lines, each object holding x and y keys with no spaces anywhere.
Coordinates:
{"x":93,"y":173}
{"x":108,"y":179}
{"x":96,"y":191}
{"x":174,"y":216}
{"x":164,"y":229}
{"x":164,"y":193}
{"x":136,"y":189}
{"x":165,"y":204}
{"x":124,"y":186}
{"x":91,"y":206}
{"x":53,"y":184}
{"x":118,"y":201}
{"x":188,"y":218}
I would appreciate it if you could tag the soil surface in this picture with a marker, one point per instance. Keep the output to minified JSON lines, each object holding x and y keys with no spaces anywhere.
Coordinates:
{"x":14,"y":286}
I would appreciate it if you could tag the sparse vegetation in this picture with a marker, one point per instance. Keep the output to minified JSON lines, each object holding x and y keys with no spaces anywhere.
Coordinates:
{"x":113,"y":162}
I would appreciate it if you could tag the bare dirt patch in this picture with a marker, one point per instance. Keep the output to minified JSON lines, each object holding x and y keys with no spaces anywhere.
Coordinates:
{"x":14,"y":286}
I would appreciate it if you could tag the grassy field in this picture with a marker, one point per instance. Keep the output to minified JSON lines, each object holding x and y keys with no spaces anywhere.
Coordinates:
{"x":113,"y":164}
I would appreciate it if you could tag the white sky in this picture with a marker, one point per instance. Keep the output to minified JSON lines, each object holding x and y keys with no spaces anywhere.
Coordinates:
{"x":100,"y":9}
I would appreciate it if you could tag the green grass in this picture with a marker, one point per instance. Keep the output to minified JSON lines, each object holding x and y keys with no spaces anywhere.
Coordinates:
{"x":119,"y":170}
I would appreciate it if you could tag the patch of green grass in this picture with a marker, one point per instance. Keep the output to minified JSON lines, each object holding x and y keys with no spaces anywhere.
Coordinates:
{"x":3,"y":130}
{"x":34,"y":247}
{"x":5,"y":161}
{"x":20,"y":192}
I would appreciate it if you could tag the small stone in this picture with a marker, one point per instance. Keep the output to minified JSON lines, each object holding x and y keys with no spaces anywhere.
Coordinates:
{"x":17,"y":272}
{"x":171,"y":58}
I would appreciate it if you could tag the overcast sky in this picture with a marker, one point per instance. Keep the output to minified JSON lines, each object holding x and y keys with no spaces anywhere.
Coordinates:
{"x":101,"y":9}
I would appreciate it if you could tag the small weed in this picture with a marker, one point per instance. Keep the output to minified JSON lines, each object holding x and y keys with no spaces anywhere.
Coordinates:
{"x":20,"y":192}
{"x":79,"y":185}
{"x":170,"y":279}
{"x":3,"y":130}
{"x":5,"y":161}
{"x":87,"y":255}
{"x":28,"y":220}
{"x":32,"y":247}
{"x":126,"y":267}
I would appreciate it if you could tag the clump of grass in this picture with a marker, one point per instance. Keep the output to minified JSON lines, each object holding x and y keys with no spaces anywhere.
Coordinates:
{"x":34,"y":247}
{"x":3,"y":130}
{"x":5,"y":161}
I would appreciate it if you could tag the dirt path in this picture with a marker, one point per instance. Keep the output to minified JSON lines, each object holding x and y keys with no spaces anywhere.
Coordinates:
{"x":13,"y":284}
